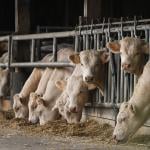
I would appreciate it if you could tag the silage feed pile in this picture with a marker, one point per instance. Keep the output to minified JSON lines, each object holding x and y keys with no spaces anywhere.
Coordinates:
{"x":89,"y":128}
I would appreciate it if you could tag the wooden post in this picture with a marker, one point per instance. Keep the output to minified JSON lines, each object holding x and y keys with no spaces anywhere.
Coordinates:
{"x":22,"y":16}
{"x":92,"y":8}
{"x":21,"y":49}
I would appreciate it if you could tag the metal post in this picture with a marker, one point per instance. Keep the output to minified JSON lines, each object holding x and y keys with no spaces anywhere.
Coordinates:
{"x":32,"y":56}
{"x":54,"y":49}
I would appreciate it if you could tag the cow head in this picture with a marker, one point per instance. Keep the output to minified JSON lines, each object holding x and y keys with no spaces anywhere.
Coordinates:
{"x":132,"y":52}
{"x":91,"y":62}
{"x":44,"y":111}
{"x":3,"y":81}
{"x":76,"y":92}
{"x":32,"y":105}
{"x":20,"y":106}
{"x":127,"y":122}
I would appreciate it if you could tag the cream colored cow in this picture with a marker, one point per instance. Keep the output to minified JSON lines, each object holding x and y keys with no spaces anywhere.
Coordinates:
{"x":39,"y":92}
{"x":45,"y":103}
{"x":132,"y":52}
{"x":92,"y":66}
{"x":20,"y":100}
{"x":71,"y":102}
{"x":133,"y":114}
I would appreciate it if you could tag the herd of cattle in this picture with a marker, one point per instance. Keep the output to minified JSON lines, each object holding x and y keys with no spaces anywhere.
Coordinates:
{"x":61,"y":93}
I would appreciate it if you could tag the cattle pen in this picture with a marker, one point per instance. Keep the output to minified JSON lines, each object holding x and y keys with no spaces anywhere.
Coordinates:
{"x":94,"y":37}
{"x":25,"y":52}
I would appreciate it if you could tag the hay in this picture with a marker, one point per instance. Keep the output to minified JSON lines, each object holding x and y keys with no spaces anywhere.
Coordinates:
{"x":89,"y":128}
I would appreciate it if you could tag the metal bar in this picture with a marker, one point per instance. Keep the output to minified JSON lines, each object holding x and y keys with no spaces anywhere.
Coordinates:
{"x":76,"y":43}
{"x":39,"y":64}
{"x":44,"y":35}
{"x":54,"y":49}
{"x":87,"y":42}
{"x":98,"y":42}
{"x":9,"y":50}
{"x":4,"y":38}
{"x":115,"y":23}
{"x":84,"y":42}
{"x":95,"y":42}
{"x":32,"y":55}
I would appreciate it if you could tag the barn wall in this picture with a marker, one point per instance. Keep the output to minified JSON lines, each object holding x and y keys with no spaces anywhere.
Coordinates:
{"x":107,"y":115}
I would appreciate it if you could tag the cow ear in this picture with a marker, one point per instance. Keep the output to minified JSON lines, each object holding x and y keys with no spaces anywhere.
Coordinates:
{"x":132,"y":108}
{"x":145,"y":47}
{"x":114,"y":46}
{"x":75,"y":58}
{"x":61,"y":84}
{"x":104,"y":56}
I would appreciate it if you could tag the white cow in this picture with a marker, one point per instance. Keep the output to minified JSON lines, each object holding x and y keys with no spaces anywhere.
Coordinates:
{"x":132,"y":52}
{"x":45,"y":103}
{"x":20,"y":100}
{"x":133,"y":114}
{"x":71,"y":102}
{"x":39,"y":92}
{"x":92,"y":66}
{"x":75,"y":92}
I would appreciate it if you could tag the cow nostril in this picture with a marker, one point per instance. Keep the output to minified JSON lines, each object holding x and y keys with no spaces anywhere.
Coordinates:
{"x":89,"y":78}
{"x":114,"y":137}
{"x":73,"y":109}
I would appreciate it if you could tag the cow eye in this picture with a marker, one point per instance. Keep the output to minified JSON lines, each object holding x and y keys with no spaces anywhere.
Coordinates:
{"x":81,"y":64}
{"x":16,"y":109}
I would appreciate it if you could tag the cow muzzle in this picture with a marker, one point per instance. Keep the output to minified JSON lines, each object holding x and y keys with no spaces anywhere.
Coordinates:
{"x":89,"y":78}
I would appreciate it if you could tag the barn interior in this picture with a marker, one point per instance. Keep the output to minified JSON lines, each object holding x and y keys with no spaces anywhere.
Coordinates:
{"x":64,"y":15}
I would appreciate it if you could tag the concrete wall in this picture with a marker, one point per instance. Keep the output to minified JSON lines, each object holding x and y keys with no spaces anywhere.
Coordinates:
{"x":107,"y":115}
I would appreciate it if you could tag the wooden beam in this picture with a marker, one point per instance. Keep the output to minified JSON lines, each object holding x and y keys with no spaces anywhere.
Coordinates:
{"x":92,"y":8}
{"x":22,"y":16}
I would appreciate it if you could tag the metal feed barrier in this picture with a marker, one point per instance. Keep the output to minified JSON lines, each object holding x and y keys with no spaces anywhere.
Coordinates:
{"x":118,"y":85}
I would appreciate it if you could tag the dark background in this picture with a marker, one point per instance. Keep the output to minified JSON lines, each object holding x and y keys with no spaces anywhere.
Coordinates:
{"x":66,"y":12}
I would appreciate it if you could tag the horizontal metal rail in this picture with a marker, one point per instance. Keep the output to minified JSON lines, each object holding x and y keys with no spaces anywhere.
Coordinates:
{"x":40,"y":64}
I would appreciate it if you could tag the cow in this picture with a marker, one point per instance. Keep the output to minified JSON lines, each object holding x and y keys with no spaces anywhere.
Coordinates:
{"x":134,"y":113}
{"x":132,"y":51}
{"x":73,"y":98}
{"x":43,"y":105}
{"x":92,"y":66}
{"x":20,"y":100}
{"x":39,"y":92}
{"x":75,"y":91}
{"x":3,"y":82}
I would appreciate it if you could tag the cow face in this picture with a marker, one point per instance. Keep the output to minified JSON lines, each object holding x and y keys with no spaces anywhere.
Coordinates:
{"x":91,"y":62}
{"x":20,"y":107}
{"x":127,"y":122}
{"x":44,"y":111}
{"x":3,"y":81}
{"x":32,"y":105}
{"x":76,"y":92}
{"x":132,"y":52}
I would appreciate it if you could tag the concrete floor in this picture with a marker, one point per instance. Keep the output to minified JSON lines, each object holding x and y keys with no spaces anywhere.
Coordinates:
{"x":15,"y":140}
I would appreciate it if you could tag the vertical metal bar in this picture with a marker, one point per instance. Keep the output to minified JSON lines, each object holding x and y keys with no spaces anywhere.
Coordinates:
{"x":122,"y":72}
{"x":84,"y":42}
{"x":76,"y":43}
{"x":87,"y":41}
{"x":32,"y":50}
{"x":9,"y":50}
{"x":95,"y":42}
{"x":54,"y":49}
{"x":118,"y":74}
{"x":98,"y":45}
{"x":106,"y":79}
